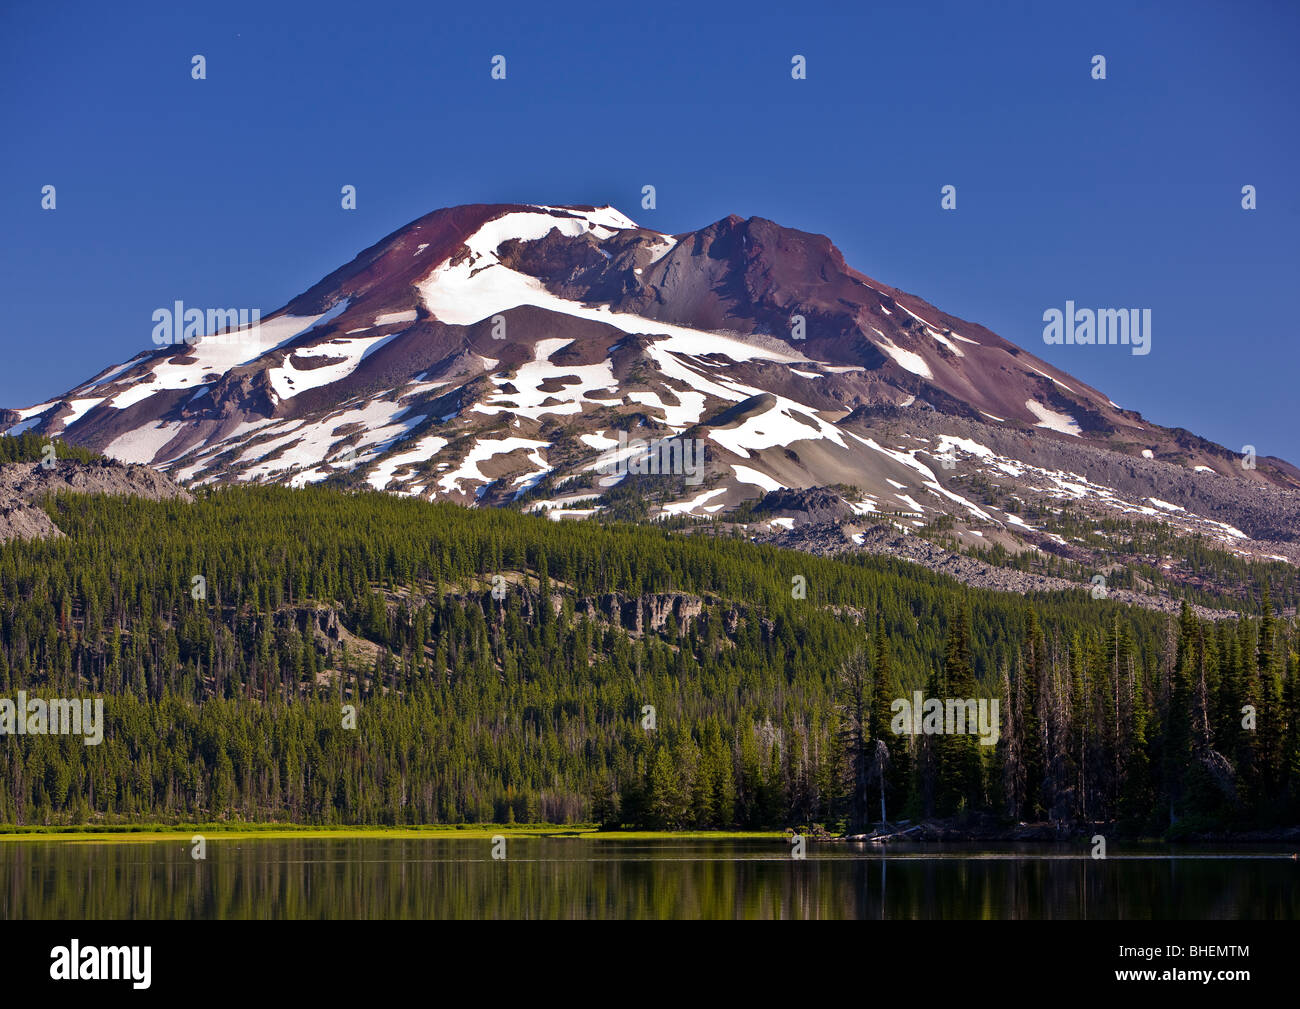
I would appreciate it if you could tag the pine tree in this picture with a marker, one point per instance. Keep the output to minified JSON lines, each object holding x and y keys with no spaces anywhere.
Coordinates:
{"x":963,"y":784}
{"x":882,"y":765}
{"x":855,"y":736}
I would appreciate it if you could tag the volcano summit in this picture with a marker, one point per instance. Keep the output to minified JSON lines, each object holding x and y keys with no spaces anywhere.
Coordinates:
{"x":509,"y":354}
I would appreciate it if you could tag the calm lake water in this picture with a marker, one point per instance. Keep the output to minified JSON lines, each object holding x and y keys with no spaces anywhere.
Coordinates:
{"x":576,"y":878}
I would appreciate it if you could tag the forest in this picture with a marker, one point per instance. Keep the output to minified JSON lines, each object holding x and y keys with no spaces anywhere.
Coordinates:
{"x":321,"y":656}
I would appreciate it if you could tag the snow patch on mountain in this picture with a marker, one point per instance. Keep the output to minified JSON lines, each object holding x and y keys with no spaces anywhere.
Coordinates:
{"x":218,"y":353}
{"x":684,"y":507}
{"x":929,"y":480}
{"x":946,"y":342}
{"x":528,"y":398}
{"x":752,"y":476}
{"x":322,"y":440}
{"x":345,"y":355}
{"x":663,"y":246}
{"x":142,"y":443}
{"x":906,"y":359}
{"x":424,"y":449}
{"x":484,"y":449}
{"x":784,"y":423}
{"x":79,"y":409}
{"x":598,"y":441}
{"x":1052,"y":420}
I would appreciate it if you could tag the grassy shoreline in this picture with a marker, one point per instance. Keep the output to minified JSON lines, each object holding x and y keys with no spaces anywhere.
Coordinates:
{"x":143,"y":833}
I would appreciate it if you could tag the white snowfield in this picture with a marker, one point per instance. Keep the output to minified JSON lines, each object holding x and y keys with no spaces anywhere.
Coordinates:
{"x":928,"y":479}
{"x":906,"y":359}
{"x":950,"y":443}
{"x":381,"y":424}
{"x":393,"y":318}
{"x":80,"y":407}
{"x":486,"y":448}
{"x":192,"y":367}
{"x":699,"y":501}
{"x":1052,"y":420}
{"x":423,"y":450}
{"x":785,"y":423}
{"x":142,"y":444}
{"x":665,"y":245}
{"x":746,"y":475}
{"x":345,"y":355}
{"x":599,"y":441}
{"x":528,"y":399}
{"x":480,"y":287}
{"x":1063,"y":485}
{"x":296,"y":444}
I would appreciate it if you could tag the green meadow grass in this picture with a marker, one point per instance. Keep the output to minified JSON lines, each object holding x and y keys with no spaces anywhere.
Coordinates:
{"x":140,"y":833}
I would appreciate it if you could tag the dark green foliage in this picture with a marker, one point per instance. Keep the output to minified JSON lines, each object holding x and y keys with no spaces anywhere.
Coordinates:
{"x":531,"y":707}
{"x":29,"y":447}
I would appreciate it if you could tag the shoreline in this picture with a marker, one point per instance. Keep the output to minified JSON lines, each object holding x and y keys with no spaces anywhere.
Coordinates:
{"x":932,"y":834}
{"x":286,"y":832}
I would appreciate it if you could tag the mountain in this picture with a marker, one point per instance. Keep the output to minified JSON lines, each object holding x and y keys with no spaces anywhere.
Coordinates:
{"x":514,"y":354}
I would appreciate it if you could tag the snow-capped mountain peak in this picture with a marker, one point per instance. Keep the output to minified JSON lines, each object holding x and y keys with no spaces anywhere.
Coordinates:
{"x":498,"y":353}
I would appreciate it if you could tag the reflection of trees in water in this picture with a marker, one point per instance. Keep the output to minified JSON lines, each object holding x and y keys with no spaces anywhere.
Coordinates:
{"x":572,"y":878}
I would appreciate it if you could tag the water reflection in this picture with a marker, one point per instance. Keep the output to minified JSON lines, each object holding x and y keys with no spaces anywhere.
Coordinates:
{"x":553,"y":878}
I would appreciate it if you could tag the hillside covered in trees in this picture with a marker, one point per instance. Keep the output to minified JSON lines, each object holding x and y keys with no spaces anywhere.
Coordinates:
{"x":319,"y":656}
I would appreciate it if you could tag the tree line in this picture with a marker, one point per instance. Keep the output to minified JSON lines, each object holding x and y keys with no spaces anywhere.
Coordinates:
{"x":318,"y":656}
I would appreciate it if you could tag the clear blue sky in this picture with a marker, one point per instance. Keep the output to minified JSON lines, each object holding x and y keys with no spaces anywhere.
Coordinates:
{"x":1115,"y":193}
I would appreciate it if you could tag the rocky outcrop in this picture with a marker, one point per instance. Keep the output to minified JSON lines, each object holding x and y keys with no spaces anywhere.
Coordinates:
{"x":649,"y":612}
{"x":809,"y":506}
{"x":23,"y":485}
{"x":828,"y":539}
{"x":21,"y":521}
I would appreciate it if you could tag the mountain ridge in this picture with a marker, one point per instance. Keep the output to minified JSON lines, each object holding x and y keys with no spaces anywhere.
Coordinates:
{"x":493,"y":354}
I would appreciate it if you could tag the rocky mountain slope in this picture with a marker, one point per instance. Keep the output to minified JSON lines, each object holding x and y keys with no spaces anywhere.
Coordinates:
{"x":533,"y":355}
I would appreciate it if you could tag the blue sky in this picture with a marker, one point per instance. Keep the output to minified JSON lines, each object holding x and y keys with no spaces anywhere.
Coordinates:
{"x":1117,"y":193}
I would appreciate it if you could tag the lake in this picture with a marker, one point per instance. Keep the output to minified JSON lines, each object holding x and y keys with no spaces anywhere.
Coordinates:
{"x":573,"y":877}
